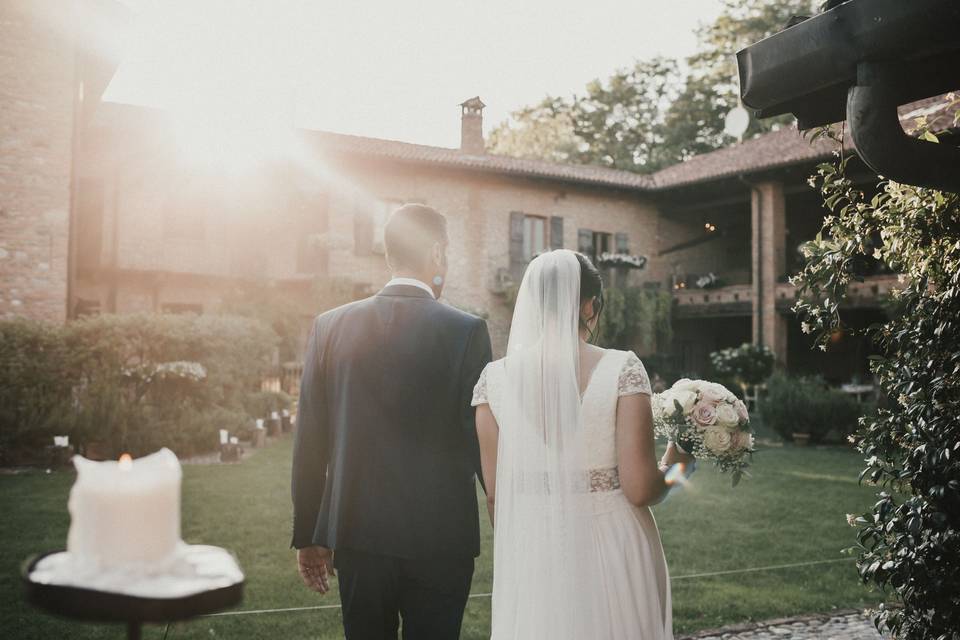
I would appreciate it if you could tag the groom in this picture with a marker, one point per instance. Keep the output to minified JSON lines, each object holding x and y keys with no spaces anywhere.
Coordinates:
{"x":386,"y":449}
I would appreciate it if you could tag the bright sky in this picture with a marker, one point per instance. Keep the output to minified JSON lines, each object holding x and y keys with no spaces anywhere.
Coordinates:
{"x":388,"y":69}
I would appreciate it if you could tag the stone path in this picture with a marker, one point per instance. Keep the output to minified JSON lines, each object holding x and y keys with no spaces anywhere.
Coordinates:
{"x":846,"y":625}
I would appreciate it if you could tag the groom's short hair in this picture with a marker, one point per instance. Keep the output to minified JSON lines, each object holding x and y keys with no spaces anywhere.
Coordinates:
{"x":410,"y":233}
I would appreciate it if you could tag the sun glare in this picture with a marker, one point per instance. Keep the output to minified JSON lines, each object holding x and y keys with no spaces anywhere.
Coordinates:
{"x":226,"y":73}
{"x":230,"y":144}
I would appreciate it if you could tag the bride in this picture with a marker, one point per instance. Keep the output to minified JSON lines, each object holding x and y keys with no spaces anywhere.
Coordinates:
{"x":568,"y":458}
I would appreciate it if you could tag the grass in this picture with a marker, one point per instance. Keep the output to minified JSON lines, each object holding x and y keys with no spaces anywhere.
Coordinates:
{"x":791,"y":511}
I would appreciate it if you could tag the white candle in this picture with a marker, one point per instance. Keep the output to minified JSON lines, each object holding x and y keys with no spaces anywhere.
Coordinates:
{"x":125,"y":513}
{"x":223,"y":436}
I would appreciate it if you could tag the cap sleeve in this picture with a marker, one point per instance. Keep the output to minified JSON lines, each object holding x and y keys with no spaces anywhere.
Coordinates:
{"x":633,"y":377}
{"x":480,"y":389}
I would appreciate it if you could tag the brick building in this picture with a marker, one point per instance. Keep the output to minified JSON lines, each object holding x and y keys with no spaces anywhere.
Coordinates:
{"x":101,"y":212}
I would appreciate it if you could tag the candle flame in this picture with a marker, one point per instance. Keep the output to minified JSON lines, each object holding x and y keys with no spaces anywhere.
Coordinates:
{"x":126,"y":462}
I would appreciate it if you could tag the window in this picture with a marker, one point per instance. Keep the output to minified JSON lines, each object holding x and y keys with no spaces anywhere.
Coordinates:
{"x":529,"y":236}
{"x":85,"y":307}
{"x":601,"y":244}
{"x":534,"y":236}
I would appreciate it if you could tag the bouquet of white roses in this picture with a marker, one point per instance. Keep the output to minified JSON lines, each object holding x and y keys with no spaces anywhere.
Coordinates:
{"x":707,"y":420}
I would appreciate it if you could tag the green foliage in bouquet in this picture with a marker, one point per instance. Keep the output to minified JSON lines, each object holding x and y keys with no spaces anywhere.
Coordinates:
{"x":748,"y":364}
{"x":909,"y":543}
{"x":798,"y":404}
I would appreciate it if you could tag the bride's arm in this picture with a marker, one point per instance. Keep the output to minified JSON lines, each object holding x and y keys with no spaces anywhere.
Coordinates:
{"x":488,"y":433}
{"x":641,"y":479}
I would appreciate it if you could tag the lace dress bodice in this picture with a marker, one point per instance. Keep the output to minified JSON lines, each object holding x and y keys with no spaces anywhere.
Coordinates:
{"x":618,"y":373}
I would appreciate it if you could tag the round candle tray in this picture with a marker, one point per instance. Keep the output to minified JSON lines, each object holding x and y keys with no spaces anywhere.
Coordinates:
{"x":96,"y":605}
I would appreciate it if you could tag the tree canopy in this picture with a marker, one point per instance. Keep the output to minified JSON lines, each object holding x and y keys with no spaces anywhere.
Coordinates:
{"x":655,"y":112}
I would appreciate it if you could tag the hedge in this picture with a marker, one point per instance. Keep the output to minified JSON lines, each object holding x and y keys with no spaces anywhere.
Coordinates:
{"x":129,"y":382}
{"x":795,"y":404}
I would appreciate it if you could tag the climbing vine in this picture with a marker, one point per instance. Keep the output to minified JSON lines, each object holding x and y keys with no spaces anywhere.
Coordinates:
{"x":635,"y":318}
{"x":908,"y":544}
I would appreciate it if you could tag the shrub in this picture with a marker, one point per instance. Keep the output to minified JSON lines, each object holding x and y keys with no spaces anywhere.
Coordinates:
{"x":794,"y":404}
{"x":748,"y":364}
{"x":261,"y":403}
{"x":131,"y":382}
{"x":909,"y":541}
{"x":36,"y":383}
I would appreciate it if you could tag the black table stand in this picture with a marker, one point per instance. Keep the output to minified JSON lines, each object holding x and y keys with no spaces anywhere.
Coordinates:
{"x":102,"y":606}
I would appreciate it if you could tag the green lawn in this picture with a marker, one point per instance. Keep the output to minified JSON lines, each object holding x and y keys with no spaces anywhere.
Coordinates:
{"x":791,"y":511}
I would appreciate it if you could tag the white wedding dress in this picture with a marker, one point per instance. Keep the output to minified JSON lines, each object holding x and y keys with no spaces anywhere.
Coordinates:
{"x":621,"y":558}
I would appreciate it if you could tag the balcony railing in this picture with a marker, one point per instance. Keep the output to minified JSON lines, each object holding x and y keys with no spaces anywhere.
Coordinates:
{"x":732,"y":300}
{"x":737,"y":299}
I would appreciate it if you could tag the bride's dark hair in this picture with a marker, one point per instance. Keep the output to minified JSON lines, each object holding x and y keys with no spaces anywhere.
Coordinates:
{"x":591,"y":287}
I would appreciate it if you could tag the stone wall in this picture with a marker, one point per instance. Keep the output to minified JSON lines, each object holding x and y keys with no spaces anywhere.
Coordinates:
{"x":478,"y":210}
{"x":253,"y":225}
{"x":36,"y":128}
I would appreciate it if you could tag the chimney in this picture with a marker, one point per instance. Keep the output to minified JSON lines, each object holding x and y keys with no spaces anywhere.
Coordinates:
{"x":471,"y":126}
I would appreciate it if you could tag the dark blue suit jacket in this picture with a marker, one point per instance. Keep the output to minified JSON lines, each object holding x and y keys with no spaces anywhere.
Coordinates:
{"x":386,"y":448}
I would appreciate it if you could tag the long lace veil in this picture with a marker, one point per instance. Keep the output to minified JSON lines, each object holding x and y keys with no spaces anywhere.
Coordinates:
{"x":545,"y":565}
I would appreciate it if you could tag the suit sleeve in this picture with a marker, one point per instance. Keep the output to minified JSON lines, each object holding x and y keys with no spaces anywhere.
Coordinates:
{"x":478,"y":355}
{"x":310,"y":448}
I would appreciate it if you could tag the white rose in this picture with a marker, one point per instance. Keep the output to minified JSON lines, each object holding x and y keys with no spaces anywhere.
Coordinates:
{"x":686,"y":384}
{"x":724,"y":393}
{"x":717,"y":440}
{"x":727,"y":415}
{"x":742,"y":440}
{"x":713,"y":392}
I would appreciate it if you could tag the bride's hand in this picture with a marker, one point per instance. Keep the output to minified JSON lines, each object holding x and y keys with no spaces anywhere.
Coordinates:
{"x":673,"y":456}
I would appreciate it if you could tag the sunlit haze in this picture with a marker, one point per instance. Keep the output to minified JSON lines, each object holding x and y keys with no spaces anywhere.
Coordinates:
{"x":393,"y":70}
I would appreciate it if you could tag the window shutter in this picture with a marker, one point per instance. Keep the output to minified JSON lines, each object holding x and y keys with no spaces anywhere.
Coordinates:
{"x":362,"y":232}
{"x":556,"y":232}
{"x":585,"y":241}
{"x":517,"y":261}
{"x":623,"y":243}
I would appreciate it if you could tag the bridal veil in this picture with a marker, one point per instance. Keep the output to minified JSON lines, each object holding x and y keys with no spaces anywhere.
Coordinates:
{"x":547,"y":582}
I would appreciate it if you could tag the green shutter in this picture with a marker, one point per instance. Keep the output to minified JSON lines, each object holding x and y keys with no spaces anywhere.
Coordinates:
{"x":556,"y":232}
{"x":585,"y":241}
{"x":517,"y":259}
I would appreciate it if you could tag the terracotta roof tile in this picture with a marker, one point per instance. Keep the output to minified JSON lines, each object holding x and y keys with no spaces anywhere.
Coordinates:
{"x":772,"y":150}
{"x":443,"y":156}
